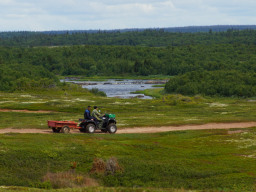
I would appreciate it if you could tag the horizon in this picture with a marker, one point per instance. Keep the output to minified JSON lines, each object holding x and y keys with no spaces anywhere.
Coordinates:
{"x":28,"y":15}
{"x":123,"y":29}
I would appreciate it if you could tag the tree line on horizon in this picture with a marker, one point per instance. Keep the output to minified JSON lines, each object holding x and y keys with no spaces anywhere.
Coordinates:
{"x":147,"y":38}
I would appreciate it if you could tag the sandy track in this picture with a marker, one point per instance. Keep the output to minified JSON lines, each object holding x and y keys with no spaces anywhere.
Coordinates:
{"x":25,"y":111}
{"x":148,"y":129}
{"x":188,"y":127}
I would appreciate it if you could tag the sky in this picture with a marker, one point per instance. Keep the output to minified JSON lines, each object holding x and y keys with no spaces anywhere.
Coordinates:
{"x":45,"y":15}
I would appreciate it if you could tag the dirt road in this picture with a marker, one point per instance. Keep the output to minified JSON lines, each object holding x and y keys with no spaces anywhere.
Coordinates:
{"x":148,"y":129}
{"x":26,"y":111}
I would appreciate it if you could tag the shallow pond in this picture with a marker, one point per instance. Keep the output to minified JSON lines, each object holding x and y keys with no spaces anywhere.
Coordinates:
{"x":121,"y":88}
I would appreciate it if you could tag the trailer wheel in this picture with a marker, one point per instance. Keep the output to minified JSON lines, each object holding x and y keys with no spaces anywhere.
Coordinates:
{"x":90,"y":128}
{"x":55,"y":130}
{"x":112,"y":128}
{"x":65,"y":129}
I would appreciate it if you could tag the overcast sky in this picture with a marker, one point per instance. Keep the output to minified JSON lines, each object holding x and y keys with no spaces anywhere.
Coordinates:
{"x":37,"y":15}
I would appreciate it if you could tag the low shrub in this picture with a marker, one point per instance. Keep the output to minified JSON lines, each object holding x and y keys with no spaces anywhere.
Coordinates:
{"x":111,"y":166}
{"x":98,"y":166}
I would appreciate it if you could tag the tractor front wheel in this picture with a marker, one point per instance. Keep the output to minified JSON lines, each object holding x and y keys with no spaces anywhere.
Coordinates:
{"x":112,"y":128}
{"x":90,"y":128}
{"x":65,"y":129}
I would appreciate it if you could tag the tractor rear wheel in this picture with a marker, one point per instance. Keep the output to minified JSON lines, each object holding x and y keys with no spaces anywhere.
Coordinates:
{"x":112,"y":128}
{"x":90,"y":128}
{"x":65,"y":129}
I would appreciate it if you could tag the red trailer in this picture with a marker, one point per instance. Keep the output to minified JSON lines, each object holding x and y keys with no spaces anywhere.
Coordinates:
{"x":62,"y":126}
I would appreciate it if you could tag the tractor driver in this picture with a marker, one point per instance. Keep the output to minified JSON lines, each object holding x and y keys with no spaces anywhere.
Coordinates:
{"x":97,"y":116}
{"x":87,"y":114}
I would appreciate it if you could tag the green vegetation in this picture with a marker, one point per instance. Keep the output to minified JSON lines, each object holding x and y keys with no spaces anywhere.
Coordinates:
{"x":155,"y":93}
{"x":200,"y":160}
{"x":94,"y":189}
{"x":25,"y":77}
{"x":69,"y":103}
{"x":221,"y":83}
{"x":28,"y":68}
{"x":162,"y":85}
{"x":97,"y":92}
{"x":149,"y":38}
{"x":200,"y":64}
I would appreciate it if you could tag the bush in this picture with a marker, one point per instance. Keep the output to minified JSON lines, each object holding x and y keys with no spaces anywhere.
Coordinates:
{"x":110,"y":167}
{"x":42,"y":185}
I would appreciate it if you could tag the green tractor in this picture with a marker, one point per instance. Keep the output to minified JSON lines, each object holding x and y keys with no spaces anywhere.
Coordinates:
{"x":90,"y":126}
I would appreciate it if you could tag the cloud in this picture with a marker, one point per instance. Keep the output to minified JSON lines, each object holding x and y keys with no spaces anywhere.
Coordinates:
{"x":109,"y":14}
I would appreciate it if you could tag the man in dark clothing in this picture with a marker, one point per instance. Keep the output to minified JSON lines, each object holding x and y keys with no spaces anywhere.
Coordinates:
{"x":87,"y":114}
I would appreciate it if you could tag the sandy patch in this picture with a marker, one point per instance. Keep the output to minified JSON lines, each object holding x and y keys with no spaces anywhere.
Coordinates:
{"x":6,"y":102}
{"x":82,"y":100}
{"x":33,"y":102}
{"x":187,"y":127}
{"x":217,"y":105}
{"x":26,"y":96}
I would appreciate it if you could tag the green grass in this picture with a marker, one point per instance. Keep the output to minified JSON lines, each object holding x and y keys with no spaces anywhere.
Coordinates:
{"x":93,"y":189}
{"x":69,"y":103}
{"x":162,"y":85}
{"x":199,"y":160}
{"x":155,"y":93}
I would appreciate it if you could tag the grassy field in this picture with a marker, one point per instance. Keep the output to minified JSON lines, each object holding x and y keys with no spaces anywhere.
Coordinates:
{"x":69,"y":103}
{"x":209,"y":160}
{"x":156,"y":93}
{"x":94,"y":189}
{"x":217,"y":160}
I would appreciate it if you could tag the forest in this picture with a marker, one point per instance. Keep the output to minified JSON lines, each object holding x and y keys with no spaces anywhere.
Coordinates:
{"x":222,"y":83}
{"x":201,"y":63}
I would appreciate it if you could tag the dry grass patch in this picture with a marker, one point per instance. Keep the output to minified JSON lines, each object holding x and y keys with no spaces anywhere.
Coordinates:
{"x":69,"y":179}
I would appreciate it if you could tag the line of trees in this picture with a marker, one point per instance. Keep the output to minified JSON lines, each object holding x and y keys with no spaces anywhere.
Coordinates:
{"x":127,"y":60}
{"x":149,"y":38}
